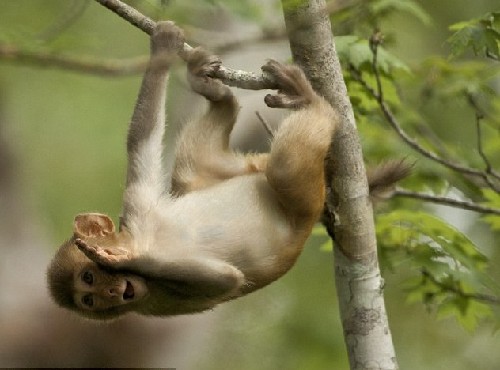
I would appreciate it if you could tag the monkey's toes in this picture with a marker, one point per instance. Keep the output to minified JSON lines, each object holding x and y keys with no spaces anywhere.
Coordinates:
{"x":274,"y":101}
{"x":273,"y":67}
{"x":286,"y":76}
{"x":201,"y":63}
{"x":285,"y":101}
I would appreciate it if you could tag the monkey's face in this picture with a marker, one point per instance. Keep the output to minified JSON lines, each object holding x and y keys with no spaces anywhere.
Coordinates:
{"x":96,"y":289}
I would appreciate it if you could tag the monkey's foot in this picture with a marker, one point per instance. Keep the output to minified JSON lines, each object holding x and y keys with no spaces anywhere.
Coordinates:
{"x":294,"y":90}
{"x":201,"y":68}
{"x":103,"y":256}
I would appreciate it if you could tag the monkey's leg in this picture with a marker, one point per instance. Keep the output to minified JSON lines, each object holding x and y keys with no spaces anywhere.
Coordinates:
{"x":296,"y":163}
{"x":203,"y":156}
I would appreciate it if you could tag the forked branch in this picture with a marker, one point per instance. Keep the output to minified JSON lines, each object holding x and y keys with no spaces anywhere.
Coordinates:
{"x":487,"y":176}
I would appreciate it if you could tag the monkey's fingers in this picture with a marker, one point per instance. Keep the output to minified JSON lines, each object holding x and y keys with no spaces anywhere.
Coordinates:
{"x":167,"y":37}
{"x":89,"y":250}
{"x":101,"y":256}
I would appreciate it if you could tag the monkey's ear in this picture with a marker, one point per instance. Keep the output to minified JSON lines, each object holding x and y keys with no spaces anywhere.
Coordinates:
{"x":93,"y":225}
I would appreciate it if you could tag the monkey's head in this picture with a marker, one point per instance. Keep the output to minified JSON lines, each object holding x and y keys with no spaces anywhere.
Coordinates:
{"x":87,"y":286}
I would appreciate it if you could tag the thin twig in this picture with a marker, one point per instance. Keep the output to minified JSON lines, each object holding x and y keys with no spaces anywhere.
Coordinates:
{"x":479,"y":117}
{"x":265,"y":124}
{"x":492,"y":56}
{"x":375,"y":41}
{"x":471,"y":206}
{"x":453,"y":289}
{"x":231,"y":77}
{"x":10,"y":53}
{"x":423,"y":130}
{"x":130,"y":14}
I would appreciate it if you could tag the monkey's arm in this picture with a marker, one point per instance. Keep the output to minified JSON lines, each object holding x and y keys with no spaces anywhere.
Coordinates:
{"x":188,"y":277}
{"x":145,"y":176}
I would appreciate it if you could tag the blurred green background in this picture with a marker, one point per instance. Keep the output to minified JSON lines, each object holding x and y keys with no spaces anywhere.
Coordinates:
{"x":62,"y":135}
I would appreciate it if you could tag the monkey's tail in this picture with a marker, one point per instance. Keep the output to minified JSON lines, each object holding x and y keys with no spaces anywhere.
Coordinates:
{"x":382,"y":179}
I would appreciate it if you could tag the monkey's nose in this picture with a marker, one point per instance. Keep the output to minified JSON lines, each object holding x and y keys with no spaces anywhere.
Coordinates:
{"x":112,"y":292}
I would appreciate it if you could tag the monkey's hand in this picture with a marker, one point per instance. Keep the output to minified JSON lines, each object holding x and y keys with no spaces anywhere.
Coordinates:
{"x":103,"y":256}
{"x":201,"y":65}
{"x":294,"y":90}
{"x":167,"y":40}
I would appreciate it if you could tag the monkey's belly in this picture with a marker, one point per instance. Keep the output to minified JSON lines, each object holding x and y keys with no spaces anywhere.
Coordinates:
{"x":239,"y":221}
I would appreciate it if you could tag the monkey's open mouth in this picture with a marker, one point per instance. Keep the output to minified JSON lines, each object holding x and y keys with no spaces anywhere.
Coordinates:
{"x":129,"y":291}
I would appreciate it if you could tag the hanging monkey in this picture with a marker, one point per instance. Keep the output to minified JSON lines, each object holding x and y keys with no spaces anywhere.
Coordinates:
{"x":232,"y":222}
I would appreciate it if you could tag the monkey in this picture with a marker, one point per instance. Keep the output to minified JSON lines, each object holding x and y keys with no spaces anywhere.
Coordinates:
{"x":231,"y":223}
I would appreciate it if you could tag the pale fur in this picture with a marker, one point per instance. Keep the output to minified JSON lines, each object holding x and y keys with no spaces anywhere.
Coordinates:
{"x":233,"y":223}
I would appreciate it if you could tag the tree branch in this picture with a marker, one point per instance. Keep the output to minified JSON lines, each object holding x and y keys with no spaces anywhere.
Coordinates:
{"x":471,"y":206}
{"x":231,"y":77}
{"x":410,"y":141}
{"x":392,"y":120}
{"x":130,"y":14}
{"x":11,"y":53}
{"x":479,"y":117}
{"x":265,"y":124}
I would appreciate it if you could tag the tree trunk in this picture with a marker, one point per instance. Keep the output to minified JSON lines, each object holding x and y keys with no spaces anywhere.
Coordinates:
{"x":359,"y":284}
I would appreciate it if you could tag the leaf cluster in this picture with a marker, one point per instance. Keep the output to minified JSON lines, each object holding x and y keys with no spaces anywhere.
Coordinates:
{"x":481,"y":35}
{"x":447,"y":272}
{"x":366,"y":15}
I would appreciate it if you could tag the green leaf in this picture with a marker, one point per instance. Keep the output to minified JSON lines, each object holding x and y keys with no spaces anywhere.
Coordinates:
{"x":492,"y":197}
{"x":482,"y":35}
{"x":440,"y":236}
{"x":448,"y":269}
{"x":471,"y":312}
{"x":492,"y":200}
{"x":355,"y":51}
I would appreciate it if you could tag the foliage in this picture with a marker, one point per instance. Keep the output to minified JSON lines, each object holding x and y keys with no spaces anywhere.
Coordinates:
{"x":447,"y":270}
{"x":492,"y":199}
{"x":364,"y":16}
{"x":482,"y":35}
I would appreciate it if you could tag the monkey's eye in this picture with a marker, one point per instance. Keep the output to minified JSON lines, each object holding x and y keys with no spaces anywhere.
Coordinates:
{"x":87,"y":277}
{"x":88,"y":300}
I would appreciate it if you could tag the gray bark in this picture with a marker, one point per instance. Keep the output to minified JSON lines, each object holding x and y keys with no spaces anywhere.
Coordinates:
{"x":357,"y":273}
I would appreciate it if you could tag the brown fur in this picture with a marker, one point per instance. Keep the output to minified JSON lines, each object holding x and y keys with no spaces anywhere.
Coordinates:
{"x":234,"y":222}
